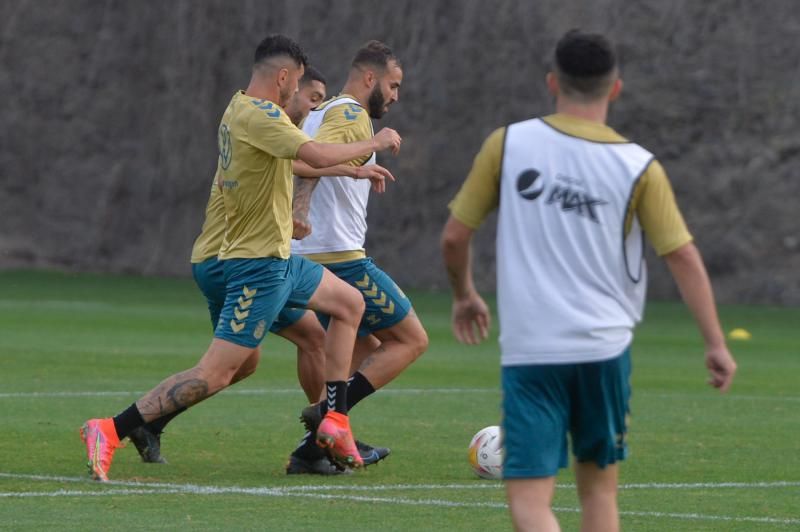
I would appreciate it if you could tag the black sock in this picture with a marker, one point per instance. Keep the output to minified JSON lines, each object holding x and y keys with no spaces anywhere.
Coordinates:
{"x":157,"y":425}
{"x":358,"y":387}
{"x":127,"y":420}
{"x":336,"y":392}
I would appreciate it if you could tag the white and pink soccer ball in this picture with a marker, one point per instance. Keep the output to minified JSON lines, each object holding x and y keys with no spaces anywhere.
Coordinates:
{"x":486,"y":453}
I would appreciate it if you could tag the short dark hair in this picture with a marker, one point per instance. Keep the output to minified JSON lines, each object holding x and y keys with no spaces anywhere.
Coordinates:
{"x":279,"y":45}
{"x":312,"y":74}
{"x":585,"y":63}
{"x":375,"y":54}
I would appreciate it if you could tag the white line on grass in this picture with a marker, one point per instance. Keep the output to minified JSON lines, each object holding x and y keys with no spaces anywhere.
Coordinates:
{"x":140,"y":488}
{"x":478,"y":485}
{"x":84,"y":493}
{"x":257,"y":391}
{"x":498,"y":485}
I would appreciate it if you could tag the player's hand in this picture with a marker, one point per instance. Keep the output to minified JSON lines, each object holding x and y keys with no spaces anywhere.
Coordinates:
{"x":471,"y":319}
{"x":388,"y":139}
{"x":376,"y":174}
{"x":301,"y":228}
{"x":721,"y":367}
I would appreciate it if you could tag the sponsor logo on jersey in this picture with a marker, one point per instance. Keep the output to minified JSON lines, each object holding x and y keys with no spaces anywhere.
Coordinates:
{"x":225,"y":147}
{"x":569,"y":193}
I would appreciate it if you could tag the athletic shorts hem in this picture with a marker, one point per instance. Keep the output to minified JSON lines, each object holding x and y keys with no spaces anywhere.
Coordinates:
{"x":602,"y":464}
{"x":241,"y":341}
{"x":529,"y":473}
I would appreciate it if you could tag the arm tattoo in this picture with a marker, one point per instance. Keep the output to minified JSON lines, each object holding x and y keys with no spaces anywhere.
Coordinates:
{"x":301,"y":203}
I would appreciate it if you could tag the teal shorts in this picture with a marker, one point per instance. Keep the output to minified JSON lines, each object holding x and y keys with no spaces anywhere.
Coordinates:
{"x":543,"y":403}
{"x":210,"y":278}
{"x":386,"y":304}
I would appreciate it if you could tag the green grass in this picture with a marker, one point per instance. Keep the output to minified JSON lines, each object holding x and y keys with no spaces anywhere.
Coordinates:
{"x":62,"y":335}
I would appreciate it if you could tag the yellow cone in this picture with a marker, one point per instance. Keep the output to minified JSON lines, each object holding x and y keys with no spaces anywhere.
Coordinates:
{"x":739,"y":334}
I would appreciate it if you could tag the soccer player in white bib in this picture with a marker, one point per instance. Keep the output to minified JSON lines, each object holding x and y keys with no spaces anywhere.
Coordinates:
{"x":575,"y":201}
{"x":390,"y":335}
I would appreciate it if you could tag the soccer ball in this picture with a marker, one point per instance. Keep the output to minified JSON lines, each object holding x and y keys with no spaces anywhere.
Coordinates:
{"x":486,"y":453}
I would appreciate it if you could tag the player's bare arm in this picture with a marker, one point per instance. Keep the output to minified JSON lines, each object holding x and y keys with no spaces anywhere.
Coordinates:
{"x":320,"y":155}
{"x":307,"y":178}
{"x":376,"y":173}
{"x":301,"y":205}
{"x":470,"y":311}
{"x":686,"y":266}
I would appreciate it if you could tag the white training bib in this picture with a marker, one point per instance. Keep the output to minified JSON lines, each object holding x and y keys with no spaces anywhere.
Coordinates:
{"x":338,"y":212}
{"x":570,"y":284}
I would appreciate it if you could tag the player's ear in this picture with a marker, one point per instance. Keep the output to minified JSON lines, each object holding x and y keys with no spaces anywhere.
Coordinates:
{"x":552,"y":83}
{"x":370,"y":79}
{"x":283,"y":76}
{"x":616,"y":89}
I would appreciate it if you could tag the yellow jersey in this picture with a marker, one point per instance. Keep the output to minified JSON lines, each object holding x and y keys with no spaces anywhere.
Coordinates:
{"x":257,"y":142}
{"x":344,"y":124}
{"x":207,"y":244}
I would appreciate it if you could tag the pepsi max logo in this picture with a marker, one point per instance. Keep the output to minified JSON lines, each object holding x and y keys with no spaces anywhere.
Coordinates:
{"x":527,"y":186}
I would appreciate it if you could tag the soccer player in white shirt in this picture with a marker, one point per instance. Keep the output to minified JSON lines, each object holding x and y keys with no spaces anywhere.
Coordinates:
{"x":574,"y":200}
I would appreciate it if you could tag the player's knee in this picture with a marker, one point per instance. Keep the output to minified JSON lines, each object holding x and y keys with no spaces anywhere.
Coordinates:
{"x":247,"y":369}
{"x":221,"y":363}
{"x":419,"y":342}
{"x":414,"y":337}
{"x":218,"y":380}
{"x":353,"y":303}
{"x":424,"y":342}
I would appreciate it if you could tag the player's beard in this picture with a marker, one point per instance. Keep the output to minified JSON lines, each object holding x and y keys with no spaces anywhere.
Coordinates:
{"x":376,"y":102}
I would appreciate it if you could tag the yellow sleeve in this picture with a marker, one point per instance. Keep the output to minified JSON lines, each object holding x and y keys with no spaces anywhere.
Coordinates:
{"x":343,"y":124}
{"x":655,"y":206}
{"x":480,"y":193}
{"x":272,"y":131}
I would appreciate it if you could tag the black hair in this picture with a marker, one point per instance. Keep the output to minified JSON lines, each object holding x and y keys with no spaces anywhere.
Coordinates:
{"x":585,"y":63}
{"x":375,"y":54}
{"x":279,"y":45}
{"x":312,"y":74}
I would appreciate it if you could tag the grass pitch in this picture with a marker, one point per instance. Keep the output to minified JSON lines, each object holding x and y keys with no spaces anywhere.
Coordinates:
{"x":75,"y":347}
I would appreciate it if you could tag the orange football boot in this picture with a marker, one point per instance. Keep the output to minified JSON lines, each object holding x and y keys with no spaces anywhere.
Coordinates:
{"x":101,"y":441}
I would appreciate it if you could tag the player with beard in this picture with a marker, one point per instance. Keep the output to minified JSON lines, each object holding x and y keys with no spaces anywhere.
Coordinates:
{"x":390,"y":336}
{"x":257,"y":143}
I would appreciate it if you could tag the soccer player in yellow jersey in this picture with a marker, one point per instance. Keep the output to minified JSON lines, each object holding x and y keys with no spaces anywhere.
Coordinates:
{"x":299,"y":326}
{"x":257,"y":142}
{"x":391,"y":336}
{"x":573,"y":198}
